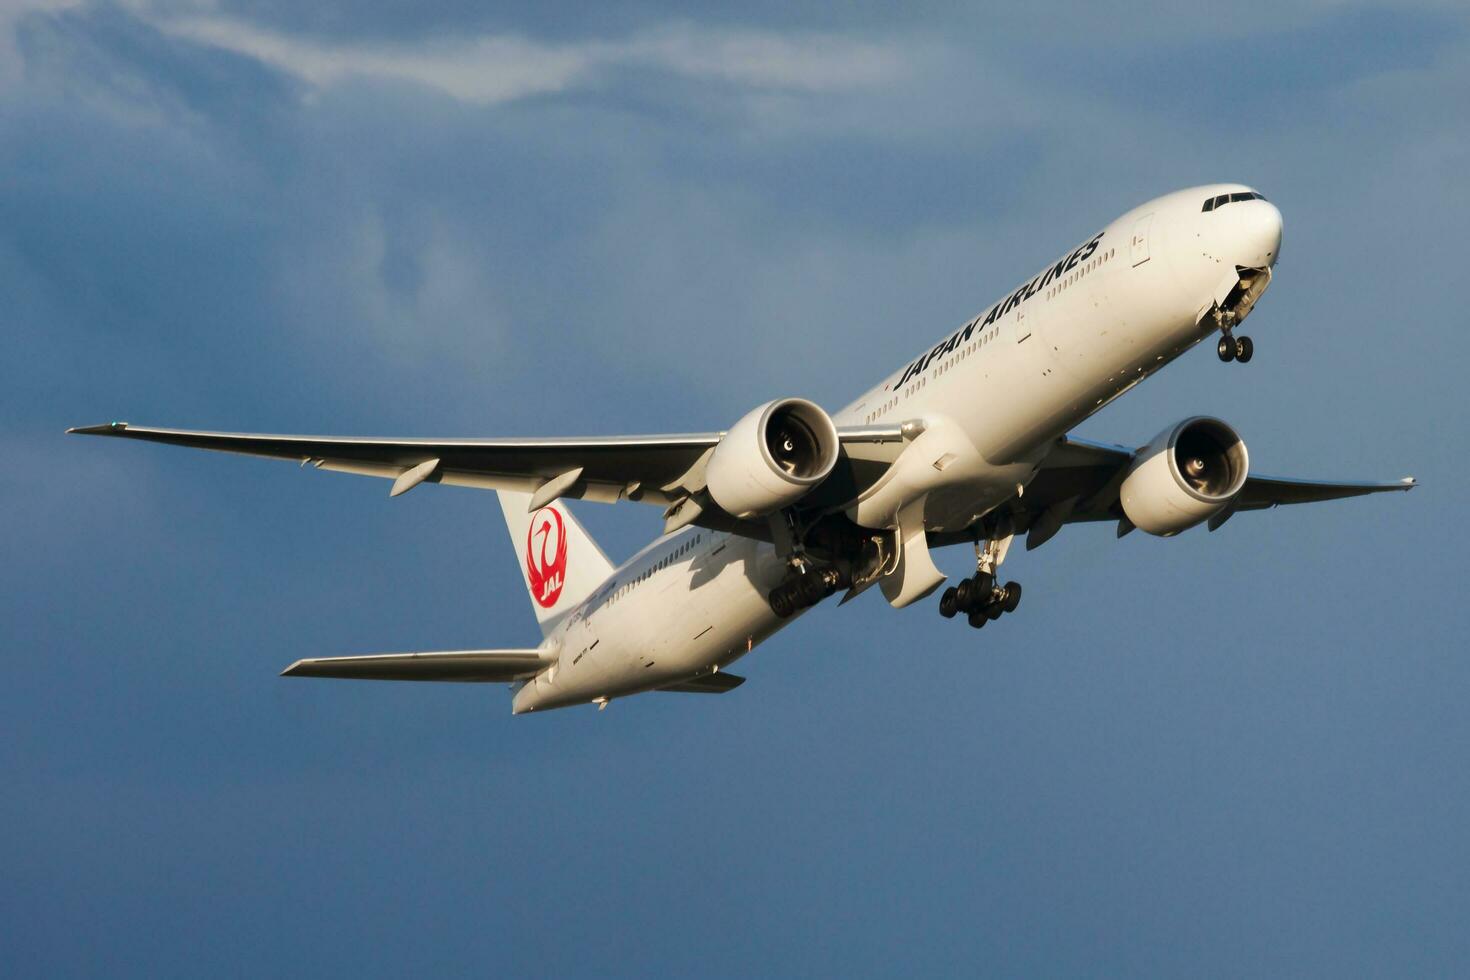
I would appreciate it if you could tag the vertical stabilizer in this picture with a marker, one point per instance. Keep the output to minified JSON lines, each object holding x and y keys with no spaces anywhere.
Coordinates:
{"x":560,"y":563}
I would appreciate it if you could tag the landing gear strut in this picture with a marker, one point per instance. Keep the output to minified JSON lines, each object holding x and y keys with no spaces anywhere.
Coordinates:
{"x":807,"y":589}
{"x":980,"y":598}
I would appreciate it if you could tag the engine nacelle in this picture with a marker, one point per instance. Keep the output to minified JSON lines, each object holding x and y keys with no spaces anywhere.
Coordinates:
{"x":772,"y":457}
{"x":1188,"y":474}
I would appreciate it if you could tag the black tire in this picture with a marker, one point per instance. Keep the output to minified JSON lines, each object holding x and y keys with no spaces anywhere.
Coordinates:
{"x":1225,"y":349}
{"x":963,"y":593}
{"x":811,"y":589}
{"x":984,"y":585}
{"x":994,"y":610}
{"x":1012,"y":597}
{"x":1244,"y":349}
{"x":978,"y":619}
{"x":947,"y":607}
{"x":780,"y":602}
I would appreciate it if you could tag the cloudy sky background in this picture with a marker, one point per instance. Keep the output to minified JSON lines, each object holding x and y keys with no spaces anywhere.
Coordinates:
{"x":1230,"y":754}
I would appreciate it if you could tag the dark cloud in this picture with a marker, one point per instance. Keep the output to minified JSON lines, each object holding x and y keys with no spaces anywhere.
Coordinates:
{"x":1177,"y":744}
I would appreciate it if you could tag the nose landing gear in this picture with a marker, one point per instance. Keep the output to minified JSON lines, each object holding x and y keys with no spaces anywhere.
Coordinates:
{"x":980,"y":598}
{"x":1233,"y":348}
{"x":1234,"y":309}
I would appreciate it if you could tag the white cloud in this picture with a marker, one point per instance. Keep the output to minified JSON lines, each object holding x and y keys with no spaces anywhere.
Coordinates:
{"x":812,"y":62}
{"x":11,"y":11}
{"x":500,"y":68}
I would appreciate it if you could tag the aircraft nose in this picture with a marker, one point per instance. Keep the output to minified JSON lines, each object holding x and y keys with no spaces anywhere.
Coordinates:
{"x":1259,"y":234}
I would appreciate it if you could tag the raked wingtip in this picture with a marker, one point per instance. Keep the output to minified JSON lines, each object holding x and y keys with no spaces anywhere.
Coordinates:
{"x":105,"y":429}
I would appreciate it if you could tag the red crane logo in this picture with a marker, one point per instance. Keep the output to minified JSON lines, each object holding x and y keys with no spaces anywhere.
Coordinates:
{"x":546,"y":558}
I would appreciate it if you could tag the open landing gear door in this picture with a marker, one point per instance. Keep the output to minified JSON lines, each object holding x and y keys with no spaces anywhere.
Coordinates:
{"x":914,"y":574}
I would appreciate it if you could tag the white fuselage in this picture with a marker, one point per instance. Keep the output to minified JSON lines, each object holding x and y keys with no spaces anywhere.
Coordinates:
{"x":991,"y":398}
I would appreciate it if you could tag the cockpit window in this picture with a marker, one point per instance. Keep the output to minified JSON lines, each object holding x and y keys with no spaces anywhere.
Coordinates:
{"x":1223,"y":199}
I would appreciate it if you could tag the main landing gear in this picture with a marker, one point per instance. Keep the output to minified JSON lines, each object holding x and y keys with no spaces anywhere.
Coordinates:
{"x":981,"y":598}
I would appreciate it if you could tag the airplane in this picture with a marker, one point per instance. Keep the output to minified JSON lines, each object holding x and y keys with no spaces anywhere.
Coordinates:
{"x":966,"y":444}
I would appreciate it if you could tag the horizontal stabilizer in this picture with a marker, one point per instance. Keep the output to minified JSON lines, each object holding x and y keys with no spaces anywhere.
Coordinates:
{"x":464,"y":666}
{"x":707,"y":684}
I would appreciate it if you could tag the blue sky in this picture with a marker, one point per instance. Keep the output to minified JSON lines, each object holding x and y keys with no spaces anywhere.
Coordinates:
{"x":1224,"y":754}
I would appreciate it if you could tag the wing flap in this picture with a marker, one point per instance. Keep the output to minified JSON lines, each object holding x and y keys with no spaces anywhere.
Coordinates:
{"x":461,"y":666}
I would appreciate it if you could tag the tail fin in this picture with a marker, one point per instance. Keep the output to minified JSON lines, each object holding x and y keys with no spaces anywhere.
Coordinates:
{"x":560,"y":562}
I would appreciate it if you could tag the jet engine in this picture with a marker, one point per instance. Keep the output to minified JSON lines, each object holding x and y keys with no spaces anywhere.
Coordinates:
{"x":772,"y":457}
{"x":1187,"y":474}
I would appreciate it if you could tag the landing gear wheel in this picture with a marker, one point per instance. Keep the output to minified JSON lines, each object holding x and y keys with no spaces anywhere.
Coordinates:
{"x":1244,"y":349}
{"x":964,"y":595}
{"x":984,"y":584}
{"x":947,"y":603}
{"x":781,"y":603}
{"x":1012,"y":597}
{"x":1226,"y":349}
{"x":812,"y":589}
{"x":978,"y":619}
{"x":994,"y":610}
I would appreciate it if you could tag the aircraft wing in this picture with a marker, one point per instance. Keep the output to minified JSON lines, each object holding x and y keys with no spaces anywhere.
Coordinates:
{"x":658,"y":469}
{"x":465,"y":666}
{"x":1079,"y":481}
